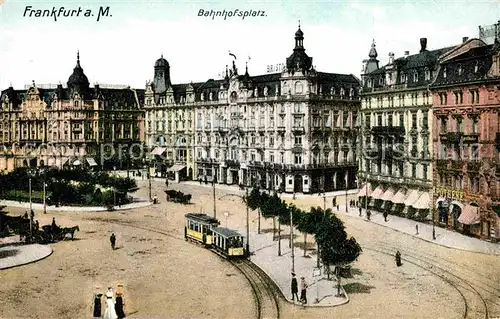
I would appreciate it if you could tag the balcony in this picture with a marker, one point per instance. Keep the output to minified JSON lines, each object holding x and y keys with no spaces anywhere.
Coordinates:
{"x":388,"y":130}
{"x":299,"y":129}
{"x":471,"y":138}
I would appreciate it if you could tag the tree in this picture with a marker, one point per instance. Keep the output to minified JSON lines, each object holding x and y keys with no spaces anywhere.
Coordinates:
{"x":274,"y":207}
{"x":306,"y":225}
{"x":254,"y":200}
{"x":336,"y":248}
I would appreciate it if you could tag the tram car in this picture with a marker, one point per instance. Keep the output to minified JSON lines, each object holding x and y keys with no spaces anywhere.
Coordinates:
{"x":205,"y":230}
{"x":199,"y":228}
{"x":228,"y":242}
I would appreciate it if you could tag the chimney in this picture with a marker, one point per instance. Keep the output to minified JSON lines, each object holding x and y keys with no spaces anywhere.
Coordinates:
{"x":464,"y":39}
{"x":407,"y":53}
{"x":391,"y":57}
{"x":423,"y":44}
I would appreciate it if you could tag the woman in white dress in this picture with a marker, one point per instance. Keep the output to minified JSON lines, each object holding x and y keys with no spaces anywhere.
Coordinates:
{"x":110,"y":312}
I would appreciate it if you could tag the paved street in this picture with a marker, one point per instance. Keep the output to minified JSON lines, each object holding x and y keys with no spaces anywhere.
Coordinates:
{"x":166,"y":277}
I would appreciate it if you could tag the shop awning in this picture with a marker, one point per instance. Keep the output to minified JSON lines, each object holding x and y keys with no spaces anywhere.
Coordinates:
{"x":399,"y":198}
{"x":366,"y":189}
{"x":423,"y":202}
{"x":377,"y":192}
{"x":158,"y":151}
{"x":91,"y":161}
{"x":176,"y":168}
{"x":389,"y":193}
{"x":469,"y":216}
{"x":412,"y":198}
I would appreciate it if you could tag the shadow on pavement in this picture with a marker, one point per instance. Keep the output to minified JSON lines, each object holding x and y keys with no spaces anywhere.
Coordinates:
{"x":8,"y":253}
{"x":357,"y":288}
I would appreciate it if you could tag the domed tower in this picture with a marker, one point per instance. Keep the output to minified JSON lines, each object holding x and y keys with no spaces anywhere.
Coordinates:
{"x":161,"y":79}
{"x":299,"y":59}
{"x":78,"y":81}
{"x":372,"y":62}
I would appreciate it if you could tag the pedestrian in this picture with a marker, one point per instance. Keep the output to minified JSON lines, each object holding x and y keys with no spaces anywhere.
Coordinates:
{"x":110,"y":312}
{"x":359,"y":211}
{"x":119,"y":305}
{"x":303,"y":290}
{"x":97,"y":305}
{"x":295,"y":288}
{"x":166,"y":182}
{"x":416,"y":228}
{"x":293,"y":195}
{"x":398,"y":258}
{"x":385,"y":215}
{"x":112,"y":239}
{"x":337,"y":206}
{"x":155,"y":199}
{"x":368,"y":214}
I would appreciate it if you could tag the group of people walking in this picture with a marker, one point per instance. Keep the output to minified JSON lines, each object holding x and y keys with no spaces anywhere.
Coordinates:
{"x":295,"y":289}
{"x":114,"y":308}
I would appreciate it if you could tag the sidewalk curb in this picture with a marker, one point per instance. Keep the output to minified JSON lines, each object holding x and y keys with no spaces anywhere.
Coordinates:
{"x":301,"y":305}
{"x":31,"y":261}
{"x":38,"y":206}
{"x":421,"y":238}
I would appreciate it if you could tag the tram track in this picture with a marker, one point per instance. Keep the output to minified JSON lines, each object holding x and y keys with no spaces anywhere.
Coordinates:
{"x":473,"y":308}
{"x":266,"y":294}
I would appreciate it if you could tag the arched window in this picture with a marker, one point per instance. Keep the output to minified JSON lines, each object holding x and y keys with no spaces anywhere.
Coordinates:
{"x":415,"y":76}
{"x":298,"y":88}
{"x":234,"y":96}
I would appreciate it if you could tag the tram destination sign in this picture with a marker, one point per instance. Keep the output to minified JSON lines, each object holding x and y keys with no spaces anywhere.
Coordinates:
{"x":274,"y":68}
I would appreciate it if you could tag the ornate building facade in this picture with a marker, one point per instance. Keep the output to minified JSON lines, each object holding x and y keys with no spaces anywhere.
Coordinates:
{"x":396,"y":166}
{"x":74,"y":124}
{"x":292,"y":130}
{"x":466,"y":107}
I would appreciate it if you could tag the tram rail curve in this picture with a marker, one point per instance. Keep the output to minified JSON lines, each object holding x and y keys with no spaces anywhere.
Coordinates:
{"x":266,"y":294}
{"x":468,"y":293}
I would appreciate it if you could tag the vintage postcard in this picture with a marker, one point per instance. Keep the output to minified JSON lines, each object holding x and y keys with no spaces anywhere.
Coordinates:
{"x":249,"y":159}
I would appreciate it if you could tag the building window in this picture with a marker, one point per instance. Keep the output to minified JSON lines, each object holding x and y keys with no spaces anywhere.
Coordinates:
{"x":389,"y":120}
{"x":298,"y":159}
{"x":444,"y":125}
{"x":271,"y":157}
{"x":298,"y":140}
{"x":443,"y":151}
{"x":476,"y":67}
{"x":475,"y":151}
{"x":401,"y":120}
{"x":475,"y":125}
{"x":415,"y":76}
{"x":403,"y":78}
{"x":443,"y":98}
{"x":460,"y":70}
{"x":459,"y":125}
{"x":367,"y":121}
{"x":424,"y":172}
{"x":414,"y":170}
{"x":379,"y":120}
{"x":414,"y":120}
{"x":427,"y":74}
{"x":444,"y":73}
{"x":474,"y":95}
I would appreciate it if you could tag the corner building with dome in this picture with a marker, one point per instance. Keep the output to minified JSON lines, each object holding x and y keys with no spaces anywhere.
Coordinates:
{"x":294,"y":131}
{"x":70,"y":125}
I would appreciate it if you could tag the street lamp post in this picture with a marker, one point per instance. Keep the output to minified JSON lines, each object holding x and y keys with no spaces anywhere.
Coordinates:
{"x":291,"y":239}
{"x":31,"y":209}
{"x":346,"y":208}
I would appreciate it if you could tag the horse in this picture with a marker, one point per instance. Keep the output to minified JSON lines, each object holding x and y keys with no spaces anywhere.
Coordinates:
{"x":70,"y":230}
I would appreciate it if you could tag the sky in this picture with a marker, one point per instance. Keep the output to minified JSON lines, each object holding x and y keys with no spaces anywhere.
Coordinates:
{"x":121,"y":48}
